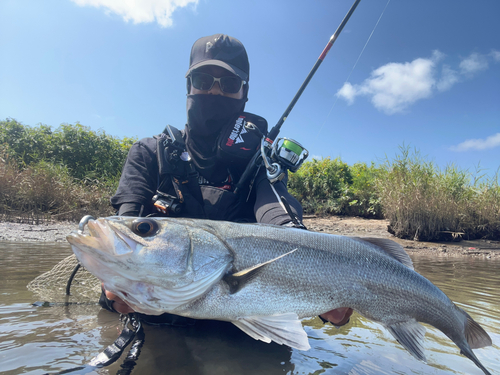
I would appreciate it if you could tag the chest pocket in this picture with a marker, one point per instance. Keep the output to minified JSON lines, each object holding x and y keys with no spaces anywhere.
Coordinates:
{"x":237,"y":145}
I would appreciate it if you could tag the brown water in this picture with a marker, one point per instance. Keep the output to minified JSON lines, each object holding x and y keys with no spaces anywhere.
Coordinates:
{"x":37,"y":340}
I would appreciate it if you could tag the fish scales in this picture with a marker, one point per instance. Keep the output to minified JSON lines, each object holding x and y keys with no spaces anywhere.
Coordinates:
{"x":264,"y":278}
{"x":320,"y":270}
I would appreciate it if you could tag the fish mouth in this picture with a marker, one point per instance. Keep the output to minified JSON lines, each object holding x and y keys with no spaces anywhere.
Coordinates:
{"x":107,"y":237}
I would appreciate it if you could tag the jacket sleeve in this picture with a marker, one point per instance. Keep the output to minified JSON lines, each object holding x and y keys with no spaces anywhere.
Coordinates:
{"x":139,"y":179}
{"x":268,"y":209}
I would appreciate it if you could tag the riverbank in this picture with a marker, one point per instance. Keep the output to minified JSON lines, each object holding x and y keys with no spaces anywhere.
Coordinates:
{"x":357,"y":226}
{"x":346,"y":226}
{"x":47,"y":232}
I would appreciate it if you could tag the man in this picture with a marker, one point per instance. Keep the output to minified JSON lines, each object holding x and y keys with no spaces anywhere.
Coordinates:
{"x":193,"y":174}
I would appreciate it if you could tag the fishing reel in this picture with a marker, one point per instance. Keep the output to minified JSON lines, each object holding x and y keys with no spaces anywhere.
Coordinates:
{"x":286,"y":154}
{"x":289,"y":153}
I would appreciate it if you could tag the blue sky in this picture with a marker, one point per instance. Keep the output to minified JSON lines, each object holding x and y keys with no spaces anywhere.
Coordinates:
{"x":428,"y":77}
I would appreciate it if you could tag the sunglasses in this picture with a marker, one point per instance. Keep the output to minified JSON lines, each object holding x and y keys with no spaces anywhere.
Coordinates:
{"x":204,"y":82}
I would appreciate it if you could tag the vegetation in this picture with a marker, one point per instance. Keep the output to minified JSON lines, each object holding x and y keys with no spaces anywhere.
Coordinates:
{"x":64,"y":173}
{"x":333,"y":187}
{"x":73,"y":171}
{"x":420,"y":201}
{"x":423,"y":202}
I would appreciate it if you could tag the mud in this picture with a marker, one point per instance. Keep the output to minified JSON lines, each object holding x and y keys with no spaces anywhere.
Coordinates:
{"x":48,"y":232}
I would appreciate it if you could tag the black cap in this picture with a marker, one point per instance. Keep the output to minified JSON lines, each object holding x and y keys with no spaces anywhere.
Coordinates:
{"x":220,"y":50}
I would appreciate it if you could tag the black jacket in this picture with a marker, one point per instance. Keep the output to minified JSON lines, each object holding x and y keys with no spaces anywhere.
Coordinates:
{"x":141,"y":178}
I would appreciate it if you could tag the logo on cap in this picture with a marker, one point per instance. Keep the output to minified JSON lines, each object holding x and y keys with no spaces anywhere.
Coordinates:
{"x":208,"y":46}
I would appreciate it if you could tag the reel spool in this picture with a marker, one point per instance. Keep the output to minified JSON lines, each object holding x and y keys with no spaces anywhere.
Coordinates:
{"x":289,"y":153}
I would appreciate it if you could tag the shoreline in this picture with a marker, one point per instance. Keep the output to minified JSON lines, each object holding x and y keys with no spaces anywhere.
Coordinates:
{"x":357,"y":226}
{"x":46,"y":232}
{"x":346,"y":226}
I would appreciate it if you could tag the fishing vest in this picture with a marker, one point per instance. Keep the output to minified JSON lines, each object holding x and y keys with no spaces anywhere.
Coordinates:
{"x":183,"y":192}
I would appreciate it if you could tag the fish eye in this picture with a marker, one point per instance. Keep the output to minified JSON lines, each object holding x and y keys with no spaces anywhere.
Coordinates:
{"x":144,"y":227}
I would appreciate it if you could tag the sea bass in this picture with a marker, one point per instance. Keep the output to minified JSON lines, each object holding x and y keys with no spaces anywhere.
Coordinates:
{"x":265,"y":278}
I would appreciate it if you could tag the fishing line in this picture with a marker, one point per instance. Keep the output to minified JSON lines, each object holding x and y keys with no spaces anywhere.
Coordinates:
{"x":354,"y":66}
{"x":269,"y":139}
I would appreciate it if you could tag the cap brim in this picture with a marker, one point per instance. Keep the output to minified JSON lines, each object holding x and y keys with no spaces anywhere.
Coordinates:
{"x":240,"y":73}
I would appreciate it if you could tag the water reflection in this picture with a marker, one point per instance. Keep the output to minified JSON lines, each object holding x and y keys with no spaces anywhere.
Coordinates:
{"x":39,"y":339}
{"x":209,"y":348}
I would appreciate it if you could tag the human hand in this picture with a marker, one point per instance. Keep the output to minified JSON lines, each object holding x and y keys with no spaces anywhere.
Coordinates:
{"x":338,"y":317}
{"x":118,"y":304}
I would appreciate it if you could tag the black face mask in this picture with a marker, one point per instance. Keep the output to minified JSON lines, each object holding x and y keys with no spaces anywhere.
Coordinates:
{"x":207,"y":115}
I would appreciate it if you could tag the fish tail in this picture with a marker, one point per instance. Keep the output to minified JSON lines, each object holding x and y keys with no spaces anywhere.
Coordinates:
{"x":476,"y":337}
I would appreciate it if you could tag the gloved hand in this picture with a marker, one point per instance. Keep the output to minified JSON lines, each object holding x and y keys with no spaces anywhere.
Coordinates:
{"x":337,"y":317}
{"x":112,"y":302}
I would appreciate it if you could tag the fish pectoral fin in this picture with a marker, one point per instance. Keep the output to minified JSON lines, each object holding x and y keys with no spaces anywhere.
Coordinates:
{"x":410,"y":334}
{"x":283,"y":329}
{"x":238,"y":280}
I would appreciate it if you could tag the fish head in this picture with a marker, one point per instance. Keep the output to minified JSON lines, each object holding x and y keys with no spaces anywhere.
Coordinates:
{"x":154,"y":264}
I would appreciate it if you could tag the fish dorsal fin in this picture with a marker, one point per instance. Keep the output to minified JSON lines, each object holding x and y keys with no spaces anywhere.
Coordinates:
{"x":283,"y":329}
{"x":410,"y":334}
{"x":238,"y":280}
{"x":391,"y":248}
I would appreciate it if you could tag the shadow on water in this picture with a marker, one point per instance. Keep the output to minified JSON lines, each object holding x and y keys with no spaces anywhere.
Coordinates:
{"x":37,"y":340}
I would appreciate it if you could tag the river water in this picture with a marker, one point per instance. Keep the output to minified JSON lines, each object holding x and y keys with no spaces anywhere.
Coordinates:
{"x":38,"y":340}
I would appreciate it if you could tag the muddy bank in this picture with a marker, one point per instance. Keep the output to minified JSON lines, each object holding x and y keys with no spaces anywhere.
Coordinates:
{"x":355,"y":226}
{"x":48,"y":232}
{"x":347,"y":226}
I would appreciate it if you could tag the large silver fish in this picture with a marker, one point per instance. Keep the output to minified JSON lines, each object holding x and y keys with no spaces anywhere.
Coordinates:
{"x":265,"y":278}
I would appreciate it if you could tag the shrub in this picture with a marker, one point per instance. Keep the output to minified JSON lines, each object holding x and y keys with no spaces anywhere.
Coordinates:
{"x":321,"y":185}
{"x":364,"y":199}
{"x":64,"y":174}
{"x":86,"y":154}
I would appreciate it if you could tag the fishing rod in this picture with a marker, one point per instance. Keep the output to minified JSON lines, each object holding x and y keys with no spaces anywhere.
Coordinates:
{"x":294,"y":154}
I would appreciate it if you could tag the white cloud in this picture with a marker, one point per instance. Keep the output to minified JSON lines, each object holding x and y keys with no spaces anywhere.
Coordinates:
{"x":473,"y":63}
{"x":478,"y":144}
{"x":348,"y":92}
{"x":495,"y":55}
{"x":396,"y":86}
{"x":139,"y":11}
{"x":448,"y":78}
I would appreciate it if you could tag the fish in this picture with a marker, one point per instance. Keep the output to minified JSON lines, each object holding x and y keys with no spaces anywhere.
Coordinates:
{"x":265,"y":278}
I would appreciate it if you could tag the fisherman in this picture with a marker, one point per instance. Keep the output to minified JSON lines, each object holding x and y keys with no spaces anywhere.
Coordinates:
{"x":193,"y":173}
